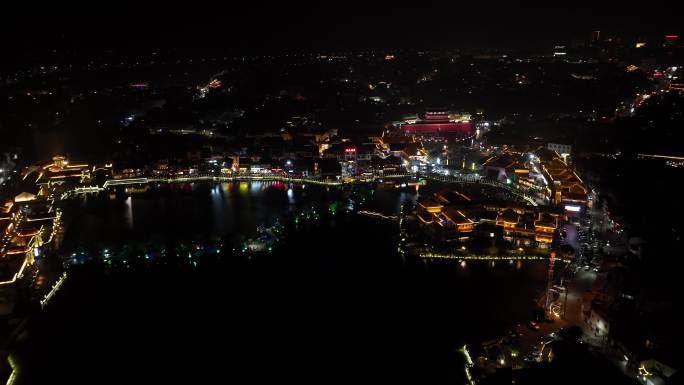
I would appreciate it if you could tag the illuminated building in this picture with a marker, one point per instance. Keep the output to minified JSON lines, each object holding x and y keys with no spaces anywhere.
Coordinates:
{"x":347,"y":152}
{"x":30,"y":220}
{"x":406,"y":148}
{"x":447,"y":212}
{"x":139,"y":86}
{"x":526,"y":228}
{"x":451,"y":215}
{"x":504,"y":168}
{"x":354,"y":158}
{"x":439,"y":122}
{"x":599,"y":323}
{"x":559,"y":50}
{"x":654,"y":372}
{"x":7,"y":206}
{"x":453,"y":198}
{"x":508,"y":219}
{"x":430,"y":205}
{"x":545,"y":227}
{"x":458,"y":219}
{"x":562,"y":149}
{"x":60,"y":171}
{"x":566,"y":188}
{"x":425,"y":217}
{"x":24,"y":197}
{"x":671,"y":41}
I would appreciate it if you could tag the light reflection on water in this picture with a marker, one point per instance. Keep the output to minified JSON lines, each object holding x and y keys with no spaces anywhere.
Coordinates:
{"x":129,"y":212}
{"x":454,"y":300}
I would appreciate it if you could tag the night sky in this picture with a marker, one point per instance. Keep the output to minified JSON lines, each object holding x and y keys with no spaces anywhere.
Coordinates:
{"x":282,"y":26}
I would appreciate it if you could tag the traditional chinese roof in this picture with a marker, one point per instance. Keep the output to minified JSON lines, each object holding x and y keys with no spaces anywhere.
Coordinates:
{"x":453,"y":197}
{"x":24,"y":197}
{"x":501,"y":161}
{"x":457,"y":216}
{"x":429,"y":203}
{"x":546,"y":220}
{"x":509,"y":216}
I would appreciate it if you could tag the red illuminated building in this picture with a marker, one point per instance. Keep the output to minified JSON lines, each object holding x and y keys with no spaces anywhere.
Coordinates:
{"x":437,"y":122}
{"x":671,"y":41}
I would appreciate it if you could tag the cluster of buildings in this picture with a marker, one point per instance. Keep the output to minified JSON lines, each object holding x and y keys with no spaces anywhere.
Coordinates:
{"x":565,"y":187}
{"x":315,"y":152}
{"x":29,"y":220}
{"x":544,"y":173}
{"x":541,"y":173}
{"x":453,"y":216}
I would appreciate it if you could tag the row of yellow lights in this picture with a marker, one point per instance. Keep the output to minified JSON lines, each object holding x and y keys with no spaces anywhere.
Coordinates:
{"x":53,"y":290}
{"x":484,"y":257}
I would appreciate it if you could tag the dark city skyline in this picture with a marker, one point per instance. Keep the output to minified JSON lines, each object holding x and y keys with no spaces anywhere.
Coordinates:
{"x":278,"y":26}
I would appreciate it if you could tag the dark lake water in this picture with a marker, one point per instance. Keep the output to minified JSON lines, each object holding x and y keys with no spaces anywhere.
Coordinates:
{"x":334,"y":303}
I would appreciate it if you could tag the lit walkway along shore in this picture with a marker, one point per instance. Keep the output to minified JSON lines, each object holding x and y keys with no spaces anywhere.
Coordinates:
{"x":325,"y":182}
{"x":374,"y":214}
{"x":485,"y":257}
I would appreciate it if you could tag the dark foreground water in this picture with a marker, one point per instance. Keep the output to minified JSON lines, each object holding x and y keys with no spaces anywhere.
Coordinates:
{"x":334,"y":303}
